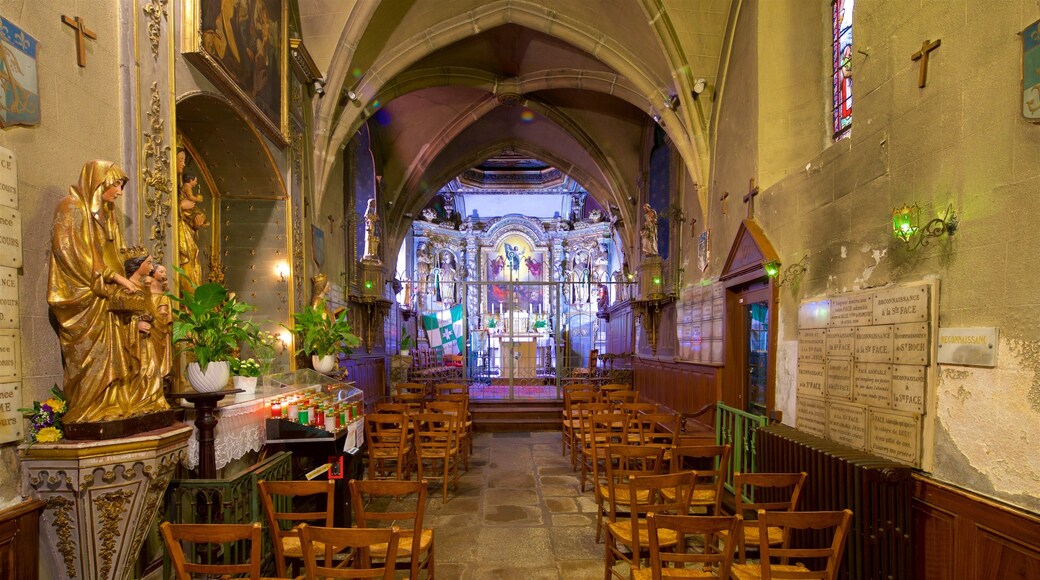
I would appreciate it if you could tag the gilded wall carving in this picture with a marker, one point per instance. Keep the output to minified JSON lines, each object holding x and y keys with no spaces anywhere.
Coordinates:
{"x":63,"y":527}
{"x":110,"y":506}
{"x":156,"y":12}
{"x":158,"y":185}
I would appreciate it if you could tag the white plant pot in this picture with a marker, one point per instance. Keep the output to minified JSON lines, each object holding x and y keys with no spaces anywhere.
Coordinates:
{"x":214,"y":379}
{"x":323,"y":364}
{"x":405,"y":351}
{"x":247,"y":384}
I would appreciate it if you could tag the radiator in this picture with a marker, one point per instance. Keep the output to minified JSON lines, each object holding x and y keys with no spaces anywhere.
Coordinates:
{"x":877,"y":490}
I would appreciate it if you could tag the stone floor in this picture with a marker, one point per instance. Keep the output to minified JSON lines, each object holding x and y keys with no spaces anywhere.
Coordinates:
{"x":518,"y":514}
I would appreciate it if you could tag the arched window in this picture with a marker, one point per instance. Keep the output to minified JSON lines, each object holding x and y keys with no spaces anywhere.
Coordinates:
{"x":841,"y":51}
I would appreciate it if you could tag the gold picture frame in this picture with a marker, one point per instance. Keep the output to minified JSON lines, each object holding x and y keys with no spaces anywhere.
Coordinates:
{"x":245,"y":54}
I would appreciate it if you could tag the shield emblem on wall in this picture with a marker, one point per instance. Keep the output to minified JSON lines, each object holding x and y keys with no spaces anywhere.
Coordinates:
{"x":318,"y":243}
{"x":21,"y":105}
{"x":1031,"y":72}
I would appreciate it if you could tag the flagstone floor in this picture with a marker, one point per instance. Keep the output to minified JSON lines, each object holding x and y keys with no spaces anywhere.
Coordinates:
{"x":518,"y":514}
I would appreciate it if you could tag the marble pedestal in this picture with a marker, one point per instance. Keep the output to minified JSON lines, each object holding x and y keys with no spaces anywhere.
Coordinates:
{"x":101,"y":498}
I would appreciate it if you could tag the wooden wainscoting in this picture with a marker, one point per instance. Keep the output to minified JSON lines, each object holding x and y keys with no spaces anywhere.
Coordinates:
{"x":369,"y":375}
{"x":961,"y":536}
{"x":682,"y":387}
{"x":620,"y":328}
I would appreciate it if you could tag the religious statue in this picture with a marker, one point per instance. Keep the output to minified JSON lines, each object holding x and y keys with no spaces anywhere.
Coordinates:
{"x":151,"y":344}
{"x":595,"y":216}
{"x":602,"y":298}
{"x":429,"y":214}
{"x":371,"y":237}
{"x":648,"y":236}
{"x":423,"y":263}
{"x":599,"y":264}
{"x":192,"y":219}
{"x":444,"y":279}
{"x":580,"y":276}
{"x":102,"y":370}
{"x":320,"y":289}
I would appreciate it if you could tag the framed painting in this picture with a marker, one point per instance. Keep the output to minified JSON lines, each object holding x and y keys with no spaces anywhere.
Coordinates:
{"x":240,"y":45}
{"x":703,"y":250}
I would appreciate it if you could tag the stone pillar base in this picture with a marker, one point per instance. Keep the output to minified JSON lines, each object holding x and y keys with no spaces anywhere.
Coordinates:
{"x":651,"y":282}
{"x":101,"y":497}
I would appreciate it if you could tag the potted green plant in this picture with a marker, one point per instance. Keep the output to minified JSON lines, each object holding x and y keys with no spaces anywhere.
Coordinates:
{"x":406,"y":343}
{"x":323,"y":336}
{"x":244,"y":373}
{"x":210,"y":325}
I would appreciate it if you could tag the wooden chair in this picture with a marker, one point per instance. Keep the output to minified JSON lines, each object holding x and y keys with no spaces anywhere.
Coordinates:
{"x":710,"y":462}
{"x":415,"y":401}
{"x":570,"y":425}
{"x":599,"y":431}
{"x":409,"y":389}
{"x":466,"y":426}
{"x":225,"y":534}
{"x":284,"y":524}
{"x":782,"y":490}
{"x":458,"y":409}
{"x":714,"y":561}
{"x":583,"y":442}
{"x":620,"y":396}
{"x":416,"y":543}
{"x":352,"y":548}
{"x":437,"y":444}
{"x":637,"y":408}
{"x":391,"y":450}
{"x":631,"y":532}
{"x":450,"y":389}
{"x":775,"y":561}
{"x":623,"y":462}
{"x":658,"y":429}
{"x":390,"y":407}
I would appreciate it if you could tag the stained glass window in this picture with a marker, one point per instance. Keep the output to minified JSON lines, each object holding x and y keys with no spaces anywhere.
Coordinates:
{"x":841,"y":38}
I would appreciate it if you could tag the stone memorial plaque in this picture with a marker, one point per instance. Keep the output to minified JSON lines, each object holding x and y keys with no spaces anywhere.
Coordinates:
{"x":908,"y":388}
{"x":847,"y":424}
{"x":811,"y":377}
{"x":717,"y":307}
{"x":874,"y":344}
{"x":812,"y":416}
{"x":693,"y":313}
{"x":10,"y":416}
{"x":716,"y":328}
{"x":839,"y":379}
{"x":852,"y":310}
{"x":841,"y":342}
{"x":9,"y":298}
{"x":716,"y":351}
{"x":910,"y":344}
{"x":812,"y":345}
{"x":873,"y":385}
{"x":717,"y":291}
{"x":814,"y":314}
{"x":8,"y":178}
{"x":968,"y":346}
{"x":10,"y":357}
{"x":10,"y":238}
{"x":896,"y":436}
{"x":706,"y":329}
{"x":901,"y":304}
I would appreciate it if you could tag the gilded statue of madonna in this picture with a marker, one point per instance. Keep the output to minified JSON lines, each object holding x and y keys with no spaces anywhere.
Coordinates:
{"x":98,"y":340}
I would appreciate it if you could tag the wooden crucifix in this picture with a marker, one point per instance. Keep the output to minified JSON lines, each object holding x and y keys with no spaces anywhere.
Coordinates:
{"x":722,"y":198}
{"x":922,"y":55}
{"x":749,"y":199}
{"x":81,"y":31}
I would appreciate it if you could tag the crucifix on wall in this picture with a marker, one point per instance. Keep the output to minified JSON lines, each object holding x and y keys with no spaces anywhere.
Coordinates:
{"x":749,"y":199}
{"x":722,"y":198}
{"x":82,"y":32}
{"x":922,"y":55}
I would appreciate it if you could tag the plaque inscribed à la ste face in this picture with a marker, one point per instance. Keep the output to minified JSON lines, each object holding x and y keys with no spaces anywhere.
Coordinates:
{"x":811,"y":380}
{"x":901,"y":304}
{"x":847,"y":424}
{"x":10,"y":357}
{"x":10,"y":238}
{"x":895,"y":436}
{"x":874,"y":344}
{"x":10,"y":416}
{"x":910,"y":344}
{"x":9,"y":298}
{"x":854,"y":310}
{"x":873,"y":385}
{"x":812,"y":416}
{"x":841,"y":342}
{"x":8,"y":178}
{"x":908,"y":388}
{"x":812,"y":345}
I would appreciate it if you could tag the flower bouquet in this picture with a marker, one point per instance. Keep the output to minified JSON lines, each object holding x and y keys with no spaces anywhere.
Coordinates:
{"x":45,"y":418}
{"x":244,"y":373}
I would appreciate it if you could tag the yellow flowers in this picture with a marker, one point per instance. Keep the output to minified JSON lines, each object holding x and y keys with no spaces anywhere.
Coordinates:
{"x":48,"y":435}
{"x":56,"y":405}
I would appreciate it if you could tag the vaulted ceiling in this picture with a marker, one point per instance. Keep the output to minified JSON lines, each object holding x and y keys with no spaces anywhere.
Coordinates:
{"x":577,"y":84}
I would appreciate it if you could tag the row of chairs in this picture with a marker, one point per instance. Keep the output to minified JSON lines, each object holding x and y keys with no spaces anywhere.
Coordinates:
{"x":369,"y":550}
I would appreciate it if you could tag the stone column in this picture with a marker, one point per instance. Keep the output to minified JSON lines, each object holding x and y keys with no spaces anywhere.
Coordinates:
{"x":102,"y":496}
{"x":472,"y":277}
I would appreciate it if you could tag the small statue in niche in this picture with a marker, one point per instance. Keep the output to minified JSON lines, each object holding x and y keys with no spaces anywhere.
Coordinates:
{"x":423,"y":263}
{"x":371,"y":234}
{"x":602,"y":298}
{"x":595,"y":216}
{"x":429,"y":214}
{"x":599,"y":264}
{"x":444,"y":277}
{"x":192,"y":219}
{"x":648,"y":236}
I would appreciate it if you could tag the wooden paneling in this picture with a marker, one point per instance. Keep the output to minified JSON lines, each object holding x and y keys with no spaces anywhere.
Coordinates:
{"x":19,"y":540}
{"x":369,"y":375}
{"x":962,"y":536}
{"x":682,"y":387}
{"x":620,"y":326}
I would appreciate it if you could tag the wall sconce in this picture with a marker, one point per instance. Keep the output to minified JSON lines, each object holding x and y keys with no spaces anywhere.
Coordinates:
{"x":368,"y":284}
{"x":657,"y":280}
{"x":906,"y":225}
{"x":791,"y":274}
{"x":281,"y":269}
{"x":285,"y":339}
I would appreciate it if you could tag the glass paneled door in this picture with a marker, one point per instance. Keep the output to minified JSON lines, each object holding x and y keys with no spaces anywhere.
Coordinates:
{"x":755,"y":306}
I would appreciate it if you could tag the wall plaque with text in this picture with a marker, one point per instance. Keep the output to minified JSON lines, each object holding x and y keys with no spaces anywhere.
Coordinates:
{"x":910,"y":344}
{"x":10,"y":238}
{"x":8,"y":178}
{"x":10,"y":417}
{"x":839,"y":379}
{"x":873,"y":384}
{"x":908,"y":388}
{"x":874,"y":343}
{"x":841,"y":342}
{"x":8,"y":298}
{"x":812,"y":415}
{"x":968,"y":346}
{"x":812,"y":345}
{"x":815,"y":314}
{"x":895,"y":436}
{"x":811,"y":379}
{"x":854,"y":310}
{"x":10,"y":357}
{"x":901,"y":304}
{"x":847,"y":424}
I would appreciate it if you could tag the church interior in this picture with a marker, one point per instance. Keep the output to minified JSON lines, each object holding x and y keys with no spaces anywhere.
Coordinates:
{"x":502,"y":247}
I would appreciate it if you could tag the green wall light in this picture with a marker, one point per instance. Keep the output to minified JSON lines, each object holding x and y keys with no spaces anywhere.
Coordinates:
{"x":657,"y":280}
{"x":772,"y":268}
{"x":906,"y":225}
{"x":368,"y":284}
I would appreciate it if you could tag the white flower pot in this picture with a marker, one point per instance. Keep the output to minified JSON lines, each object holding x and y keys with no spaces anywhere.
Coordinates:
{"x":247,"y":384}
{"x":405,"y":351}
{"x":214,"y":379}
{"x":323,"y":364}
